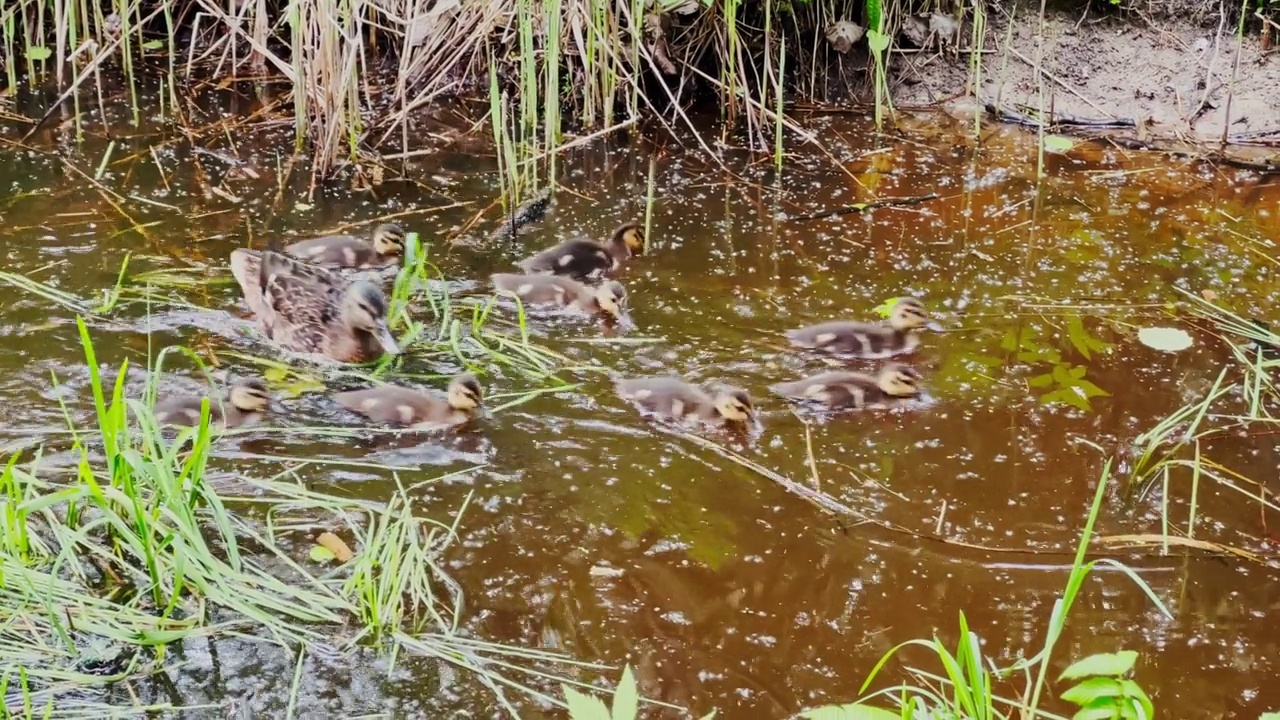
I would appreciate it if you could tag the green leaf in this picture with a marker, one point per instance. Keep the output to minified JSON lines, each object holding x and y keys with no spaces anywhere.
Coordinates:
{"x":1085,"y":693}
{"x":275,"y":374}
{"x":584,"y":707}
{"x":1078,"y":336}
{"x":1269,"y":716}
{"x":1113,"y":664}
{"x":1041,"y":381}
{"x":1133,"y":691}
{"x":1058,"y":143}
{"x":322,"y":554}
{"x":1091,"y":390}
{"x":39,"y":52}
{"x":1165,"y":338}
{"x":852,"y":711}
{"x":709,"y":716}
{"x":875,"y":16}
{"x":625,"y":698}
{"x":1105,"y":711}
{"x":886,"y":307}
{"x":878,"y":42}
{"x":153,"y":45}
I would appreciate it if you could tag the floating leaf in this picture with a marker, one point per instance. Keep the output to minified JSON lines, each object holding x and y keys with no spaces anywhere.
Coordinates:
{"x":1164,"y":338}
{"x":335,"y":545}
{"x":321,"y":554}
{"x":39,"y":52}
{"x":625,"y":697}
{"x":583,"y":706}
{"x":1113,"y":664}
{"x":886,"y":307}
{"x":852,"y":711}
{"x":1058,"y":143}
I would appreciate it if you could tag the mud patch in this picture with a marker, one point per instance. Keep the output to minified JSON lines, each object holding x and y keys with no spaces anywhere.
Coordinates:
{"x":1175,"y":73}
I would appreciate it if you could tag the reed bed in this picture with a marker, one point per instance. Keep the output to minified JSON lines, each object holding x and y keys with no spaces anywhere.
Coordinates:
{"x":358,"y":71}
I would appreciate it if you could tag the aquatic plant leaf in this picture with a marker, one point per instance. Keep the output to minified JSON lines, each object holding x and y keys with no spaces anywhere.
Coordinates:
{"x":1269,"y":716}
{"x":583,"y":706}
{"x":1090,"y":390}
{"x":886,"y":307}
{"x":1041,"y":381}
{"x":1088,"y":691}
{"x":852,"y":711}
{"x":153,"y":45}
{"x":1105,"y":710}
{"x":875,"y":16}
{"x":1058,"y":143}
{"x":321,"y":554}
{"x":39,"y":52}
{"x":625,"y":698}
{"x":878,"y":42}
{"x":1113,"y":664}
{"x":1165,"y":338}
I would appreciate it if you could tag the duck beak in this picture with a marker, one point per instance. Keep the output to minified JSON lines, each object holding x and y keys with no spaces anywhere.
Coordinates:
{"x":388,"y":342}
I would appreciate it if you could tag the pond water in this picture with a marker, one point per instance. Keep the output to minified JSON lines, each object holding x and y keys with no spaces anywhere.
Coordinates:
{"x":592,"y":532}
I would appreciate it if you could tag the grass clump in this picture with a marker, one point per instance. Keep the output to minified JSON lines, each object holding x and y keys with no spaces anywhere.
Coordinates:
{"x":110,"y":561}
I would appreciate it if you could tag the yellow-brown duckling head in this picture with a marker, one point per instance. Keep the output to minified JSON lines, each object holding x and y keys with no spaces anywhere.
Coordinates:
{"x":364,"y":308}
{"x":611,"y":297}
{"x":734,"y":404}
{"x":464,"y":393}
{"x":908,"y":314}
{"x":388,"y":239}
{"x":630,"y":235}
{"x":898,"y":380}
{"x":250,"y":395}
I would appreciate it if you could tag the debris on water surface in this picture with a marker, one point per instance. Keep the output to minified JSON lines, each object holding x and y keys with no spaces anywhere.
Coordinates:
{"x":1165,"y":339}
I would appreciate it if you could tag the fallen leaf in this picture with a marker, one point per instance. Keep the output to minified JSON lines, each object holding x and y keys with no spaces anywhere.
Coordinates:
{"x":335,"y":545}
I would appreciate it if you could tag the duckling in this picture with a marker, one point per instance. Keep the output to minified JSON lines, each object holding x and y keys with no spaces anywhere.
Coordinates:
{"x":582,"y":259}
{"x":564,"y":292}
{"x":246,"y":403}
{"x":677,"y":399}
{"x":311,"y":309}
{"x":867,"y":340}
{"x":348,"y":251}
{"x":396,"y":405}
{"x":840,"y":389}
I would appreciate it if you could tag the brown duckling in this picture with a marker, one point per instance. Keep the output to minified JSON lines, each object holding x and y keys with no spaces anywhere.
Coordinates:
{"x":840,"y":389}
{"x":311,"y":309}
{"x":674,"y":398}
{"x":564,"y":292}
{"x":396,"y":405}
{"x":347,"y":251}
{"x":582,"y":259}
{"x":872,"y":341}
{"x":246,"y":403}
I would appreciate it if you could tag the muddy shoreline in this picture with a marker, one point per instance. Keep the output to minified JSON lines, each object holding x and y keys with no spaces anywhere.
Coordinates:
{"x":1180,"y":80}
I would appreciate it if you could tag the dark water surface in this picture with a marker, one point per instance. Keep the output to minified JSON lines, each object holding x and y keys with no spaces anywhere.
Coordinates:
{"x":593,"y":533}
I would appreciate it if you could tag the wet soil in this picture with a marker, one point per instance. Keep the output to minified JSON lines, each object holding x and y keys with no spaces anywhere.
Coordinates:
{"x":1175,"y":70}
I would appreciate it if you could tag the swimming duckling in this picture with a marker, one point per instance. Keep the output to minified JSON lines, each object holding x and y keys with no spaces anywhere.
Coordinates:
{"x":564,"y":292}
{"x":396,"y":405}
{"x":246,"y":403}
{"x":348,"y":251}
{"x":867,"y":340}
{"x":582,"y":259}
{"x":308,"y":308}
{"x":840,"y":389}
{"x":677,"y":399}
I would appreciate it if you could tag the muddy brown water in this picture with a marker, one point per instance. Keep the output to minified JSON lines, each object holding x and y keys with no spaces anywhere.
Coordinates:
{"x":592,"y":532}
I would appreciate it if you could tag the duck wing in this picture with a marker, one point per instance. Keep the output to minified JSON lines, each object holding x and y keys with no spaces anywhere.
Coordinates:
{"x":572,"y":257}
{"x":302,"y":301}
